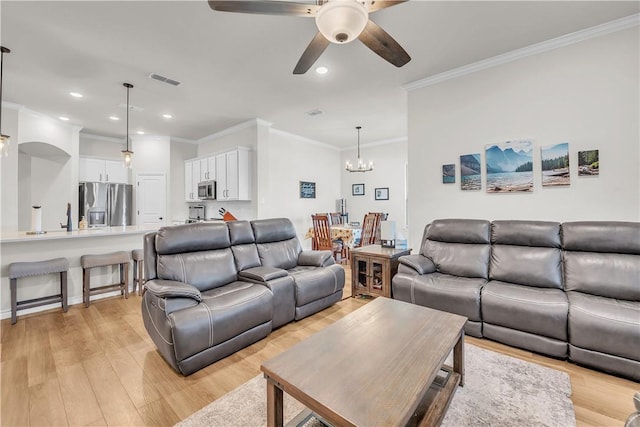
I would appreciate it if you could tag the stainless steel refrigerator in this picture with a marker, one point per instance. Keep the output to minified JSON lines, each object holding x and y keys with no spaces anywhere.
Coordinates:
{"x":103,"y":204}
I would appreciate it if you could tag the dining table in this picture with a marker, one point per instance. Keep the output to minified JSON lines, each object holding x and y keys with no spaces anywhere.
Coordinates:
{"x":347,"y":233}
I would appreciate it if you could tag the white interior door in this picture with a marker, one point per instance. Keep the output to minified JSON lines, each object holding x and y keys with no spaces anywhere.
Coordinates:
{"x":151,"y":199}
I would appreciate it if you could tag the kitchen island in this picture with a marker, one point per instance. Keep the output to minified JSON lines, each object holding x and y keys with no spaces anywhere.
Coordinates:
{"x":23,"y":247}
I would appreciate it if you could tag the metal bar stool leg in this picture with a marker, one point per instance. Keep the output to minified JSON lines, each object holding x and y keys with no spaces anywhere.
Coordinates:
{"x":63,"y":290}
{"x":86,"y":274}
{"x":14,"y":301}
{"x":124,"y":268}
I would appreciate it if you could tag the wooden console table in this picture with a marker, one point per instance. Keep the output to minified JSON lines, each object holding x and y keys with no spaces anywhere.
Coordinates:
{"x":372,"y":268}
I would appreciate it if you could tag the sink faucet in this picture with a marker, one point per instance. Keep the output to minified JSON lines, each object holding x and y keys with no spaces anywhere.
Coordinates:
{"x":68,"y":226}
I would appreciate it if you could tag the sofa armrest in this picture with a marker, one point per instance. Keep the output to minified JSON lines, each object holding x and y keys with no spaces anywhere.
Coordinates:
{"x":419,"y":263}
{"x":316,"y":258}
{"x":262,"y":274}
{"x":172,"y":289}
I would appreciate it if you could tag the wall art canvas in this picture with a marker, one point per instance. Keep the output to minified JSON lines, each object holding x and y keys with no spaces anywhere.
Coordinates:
{"x":509,"y":166}
{"x":470,"y":178}
{"x":449,"y":174}
{"x":555,"y":164}
{"x":589,"y":163}
{"x":307,"y":190}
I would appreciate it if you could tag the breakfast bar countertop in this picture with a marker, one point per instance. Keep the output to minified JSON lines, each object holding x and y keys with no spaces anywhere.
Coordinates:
{"x":22,"y":236}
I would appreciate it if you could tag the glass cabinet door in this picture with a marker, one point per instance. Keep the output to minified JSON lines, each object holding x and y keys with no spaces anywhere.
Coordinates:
{"x":377,"y":277}
{"x":361,"y":275}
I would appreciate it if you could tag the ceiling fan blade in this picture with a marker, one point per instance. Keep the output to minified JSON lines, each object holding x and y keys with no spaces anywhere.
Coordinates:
{"x":265,"y":7}
{"x":311,"y":53}
{"x":379,"y":41}
{"x":381,"y":4}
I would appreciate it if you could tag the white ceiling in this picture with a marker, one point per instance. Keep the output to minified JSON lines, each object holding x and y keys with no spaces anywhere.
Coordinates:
{"x":235,"y":67}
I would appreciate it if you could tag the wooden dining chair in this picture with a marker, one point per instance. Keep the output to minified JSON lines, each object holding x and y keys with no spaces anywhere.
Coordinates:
{"x":322,"y":237}
{"x":370,"y":229}
{"x":336,"y":218}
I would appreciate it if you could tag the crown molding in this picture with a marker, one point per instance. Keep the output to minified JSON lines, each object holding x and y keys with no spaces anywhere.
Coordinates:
{"x":103,"y":138}
{"x":535,"y":49}
{"x":233,"y":129}
{"x":12,"y":106}
{"x":304,"y":139}
{"x":183,"y":140}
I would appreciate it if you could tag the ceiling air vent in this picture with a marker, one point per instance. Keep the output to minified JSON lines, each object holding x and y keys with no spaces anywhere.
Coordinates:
{"x":315,"y":112}
{"x":167,"y":80}
{"x":131,"y":108}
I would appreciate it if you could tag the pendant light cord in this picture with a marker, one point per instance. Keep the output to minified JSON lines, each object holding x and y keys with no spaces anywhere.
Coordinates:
{"x":2,"y":51}
{"x":358,"y":127}
{"x":128,"y":117}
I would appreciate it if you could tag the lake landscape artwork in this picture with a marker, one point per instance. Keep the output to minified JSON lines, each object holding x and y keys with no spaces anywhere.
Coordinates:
{"x":555,"y":164}
{"x":509,"y":167}
{"x":470,"y":175}
{"x":449,"y":174}
{"x":589,"y":163}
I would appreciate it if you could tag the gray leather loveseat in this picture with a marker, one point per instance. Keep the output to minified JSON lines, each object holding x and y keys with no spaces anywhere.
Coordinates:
{"x":567,"y":290}
{"x":215,"y":288}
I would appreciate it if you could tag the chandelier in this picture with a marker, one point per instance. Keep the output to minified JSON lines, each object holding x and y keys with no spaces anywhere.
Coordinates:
{"x":361,"y":165}
{"x":127,"y":155}
{"x":4,"y":139}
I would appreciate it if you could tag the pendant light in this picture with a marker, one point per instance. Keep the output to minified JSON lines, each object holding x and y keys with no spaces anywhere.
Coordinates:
{"x":361,"y":166}
{"x":127,"y":155}
{"x":4,"y":139}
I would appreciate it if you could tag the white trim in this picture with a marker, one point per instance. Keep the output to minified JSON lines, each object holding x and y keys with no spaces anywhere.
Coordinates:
{"x":183,"y":140}
{"x":545,"y":46}
{"x":103,"y":138}
{"x":12,"y":105}
{"x":234,"y":129}
{"x":304,"y":139}
{"x":397,"y":140}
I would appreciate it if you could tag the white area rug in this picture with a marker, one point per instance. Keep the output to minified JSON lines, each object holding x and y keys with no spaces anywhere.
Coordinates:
{"x":499,"y":391}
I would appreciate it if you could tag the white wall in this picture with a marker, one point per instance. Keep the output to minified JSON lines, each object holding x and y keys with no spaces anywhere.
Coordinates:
{"x":9,"y":167}
{"x":101,"y":147}
{"x":389,"y":161}
{"x":586,"y":94}
{"x":289,"y":160}
{"x":151,"y":154}
{"x":180,"y":151}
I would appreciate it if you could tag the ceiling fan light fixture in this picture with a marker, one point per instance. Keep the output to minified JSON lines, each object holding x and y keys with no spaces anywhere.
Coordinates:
{"x":342,"y":21}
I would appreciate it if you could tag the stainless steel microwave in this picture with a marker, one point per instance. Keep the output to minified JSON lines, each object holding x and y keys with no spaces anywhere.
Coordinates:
{"x":207,"y":190}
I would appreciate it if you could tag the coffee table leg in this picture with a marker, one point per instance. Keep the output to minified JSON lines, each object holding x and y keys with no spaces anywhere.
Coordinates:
{"x":274,"y":404}
{"x":458,"y":358}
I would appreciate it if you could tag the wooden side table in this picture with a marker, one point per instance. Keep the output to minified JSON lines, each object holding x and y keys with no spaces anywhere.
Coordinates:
{"x":372,"y":268}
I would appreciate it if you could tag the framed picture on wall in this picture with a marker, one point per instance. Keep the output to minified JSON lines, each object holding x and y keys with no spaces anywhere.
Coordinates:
{"x":357,"y":190}
{"x":382,"y":193}
{"x":307,"y":190}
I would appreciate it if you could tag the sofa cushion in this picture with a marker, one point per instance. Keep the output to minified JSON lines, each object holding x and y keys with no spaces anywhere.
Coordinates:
{"x":459,"y":295}
{"x":283,"y":254}
{"x":540,"y":311}
{"x":204,"y":270}
{"x":224,"y":313}
{"x":604,"y":324}
{"x":595,"y":236}
{"x":314,"y":283}
{"x":529,"y":266}
{"x":240,"y":232}
{"x":192,"y":238}
{"x":246,"y":256}
{"x":608,"y":275}
{"x":526,"y":233}
{"x":459,"y":259}
{"x":459,"y":231}
{"x":273,"y":230}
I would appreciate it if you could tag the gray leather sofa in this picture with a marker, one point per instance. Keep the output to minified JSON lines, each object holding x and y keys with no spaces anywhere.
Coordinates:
{"x":215,"y":288}
{"x":567,"y":290}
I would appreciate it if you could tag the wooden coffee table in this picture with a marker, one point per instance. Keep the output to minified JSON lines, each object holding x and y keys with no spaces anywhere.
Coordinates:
{"x":374,"y":367}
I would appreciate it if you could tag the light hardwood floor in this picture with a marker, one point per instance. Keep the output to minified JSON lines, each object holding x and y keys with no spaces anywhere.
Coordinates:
{"x":98,"y":366}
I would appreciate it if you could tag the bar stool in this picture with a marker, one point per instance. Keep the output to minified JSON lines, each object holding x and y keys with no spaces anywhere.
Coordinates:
{"x":18,"y":270}
{"x":120,"y":258}
{"x":138,"y":263}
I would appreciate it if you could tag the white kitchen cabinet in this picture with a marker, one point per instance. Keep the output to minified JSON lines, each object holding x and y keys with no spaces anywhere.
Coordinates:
{"x":101,"y":170}
{"x":208,"y":168}
{"x":233,"y":177}
{"x":191,"y":180}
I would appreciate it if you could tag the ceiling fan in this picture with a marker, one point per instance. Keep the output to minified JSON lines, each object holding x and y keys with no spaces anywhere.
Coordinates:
{"x":338,"y":21}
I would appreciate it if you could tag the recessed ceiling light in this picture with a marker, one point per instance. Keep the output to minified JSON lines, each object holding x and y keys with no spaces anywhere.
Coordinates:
{"x":64,"y":119}
{"x":140,"y":132}
{"x":167,"y":116}
{"x":322,"y":70}
{"x":114,"y":118}
{"x":76,"y":94}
